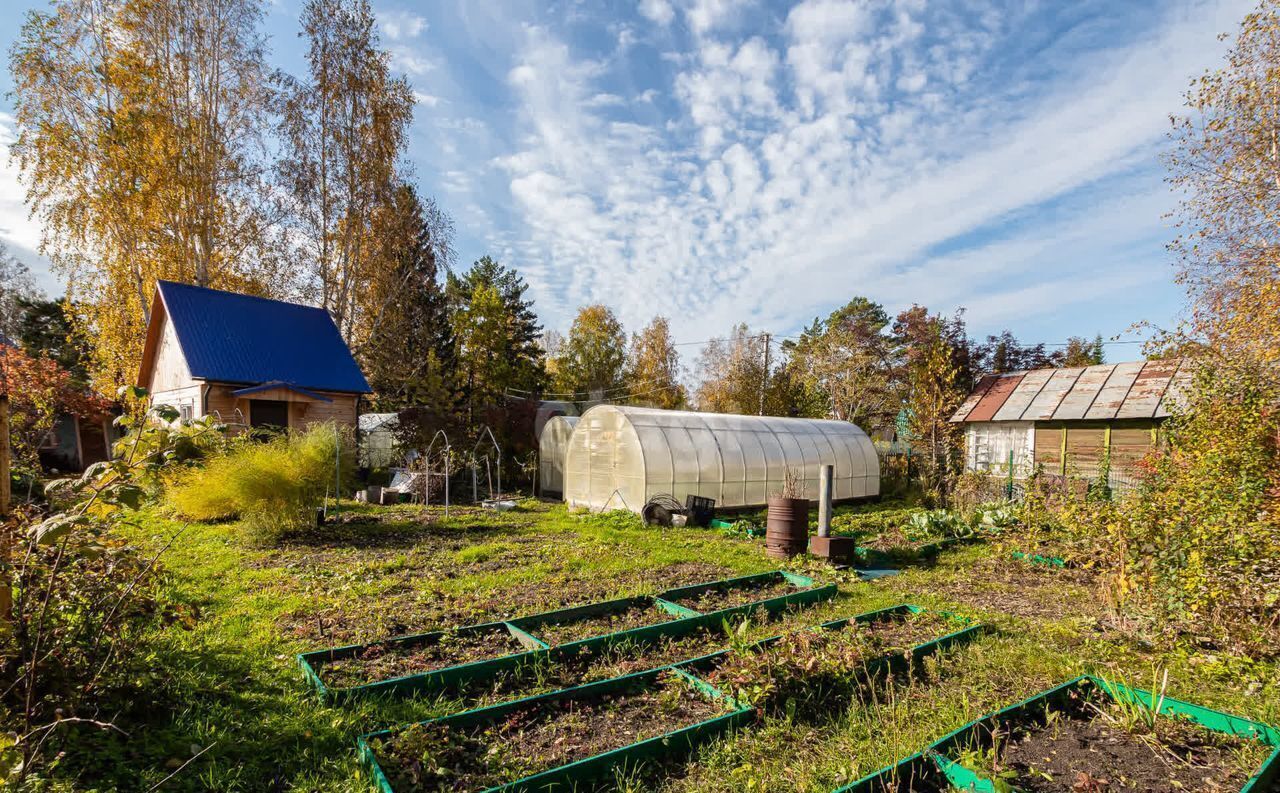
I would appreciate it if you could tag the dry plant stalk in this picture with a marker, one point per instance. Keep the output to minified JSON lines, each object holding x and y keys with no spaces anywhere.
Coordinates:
{"x":793,"y":485}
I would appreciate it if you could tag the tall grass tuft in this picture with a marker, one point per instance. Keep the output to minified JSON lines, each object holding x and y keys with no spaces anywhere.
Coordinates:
{"x":273,"y":487}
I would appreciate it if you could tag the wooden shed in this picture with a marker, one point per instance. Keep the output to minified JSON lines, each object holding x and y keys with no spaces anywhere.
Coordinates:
{"x":248,"y":360}
{"x":1068,"y":421}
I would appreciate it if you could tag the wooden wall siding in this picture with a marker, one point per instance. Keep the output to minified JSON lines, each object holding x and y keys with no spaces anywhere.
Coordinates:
{"x":1148,"y":388}
{"x":301,"y":413}
{"x":994,"y":398}
{"x":1046,"y":402}
{"x":1078,"y":400}
{"x":972,"y":400}
{"x":1112,"y":395}
{"x":1021,"y":399}
{"x":1085,"y":447}
{"x":1048,"y":448}
{"x":169,"y":370}
{"x":1129,"y":445}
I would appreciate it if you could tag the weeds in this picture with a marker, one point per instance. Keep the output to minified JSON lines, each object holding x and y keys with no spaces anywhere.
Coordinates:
{"x":273,"y":487}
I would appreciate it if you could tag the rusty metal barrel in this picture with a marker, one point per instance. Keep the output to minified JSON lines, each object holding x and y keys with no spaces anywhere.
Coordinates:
{"x":787,"y":532}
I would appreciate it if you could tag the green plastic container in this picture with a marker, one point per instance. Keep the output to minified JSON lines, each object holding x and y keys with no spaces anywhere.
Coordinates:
{"x":807,"y":592}
{"x":1037,"y":559}
{"x":591,"y":768}
{"x":980,"y":730}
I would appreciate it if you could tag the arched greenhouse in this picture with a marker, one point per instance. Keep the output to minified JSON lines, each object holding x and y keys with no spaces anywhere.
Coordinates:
{"x":619,"y":457}
{"x":552,"y":445}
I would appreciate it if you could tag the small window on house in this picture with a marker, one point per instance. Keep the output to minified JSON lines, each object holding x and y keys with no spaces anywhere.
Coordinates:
{"x":184,"y":413}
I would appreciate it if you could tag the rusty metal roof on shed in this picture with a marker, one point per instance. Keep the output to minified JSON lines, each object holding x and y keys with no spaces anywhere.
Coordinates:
{"x":1135,"y":390}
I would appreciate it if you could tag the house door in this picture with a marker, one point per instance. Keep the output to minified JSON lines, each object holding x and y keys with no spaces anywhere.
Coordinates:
{"x":268,"y":413}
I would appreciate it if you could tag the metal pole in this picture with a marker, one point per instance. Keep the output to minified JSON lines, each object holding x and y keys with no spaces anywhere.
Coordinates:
{"x":826,"y":477}
{"x":764,"y":381}
{"x":1009,"y":489}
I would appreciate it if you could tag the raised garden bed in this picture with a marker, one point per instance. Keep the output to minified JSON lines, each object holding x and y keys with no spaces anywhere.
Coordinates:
{"x":598,"y":619}
{"x":1092,"y":735}
{"x":809,"y":670}
{"x":355,"y":679}
{"x":914,"y":774}
{"x":559,"y":739}
{"x":449,"y":653}
{"x":771,"y":591}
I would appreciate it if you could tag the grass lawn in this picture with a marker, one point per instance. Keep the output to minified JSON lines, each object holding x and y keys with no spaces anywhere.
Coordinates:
{"x":222,"y":678}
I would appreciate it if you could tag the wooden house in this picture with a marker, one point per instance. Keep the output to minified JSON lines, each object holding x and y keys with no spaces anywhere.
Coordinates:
{"x":1068,"y":421}
{"x":248,"y":360}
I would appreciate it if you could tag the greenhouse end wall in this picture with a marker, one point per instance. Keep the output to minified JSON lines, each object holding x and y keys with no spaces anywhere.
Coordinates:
{"x":619,"y":457}
{"x":552,"y":445}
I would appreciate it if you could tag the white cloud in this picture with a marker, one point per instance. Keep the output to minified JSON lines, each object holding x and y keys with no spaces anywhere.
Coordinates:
{"x":401,"y":25}
{"x":657,"y":11}
{"x":426,"y":100}
{"x":790,"y":179}
{"x":706,"y":15}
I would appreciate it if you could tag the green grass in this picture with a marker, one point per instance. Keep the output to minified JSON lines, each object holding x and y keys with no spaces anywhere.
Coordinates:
{"x":227,"y":678}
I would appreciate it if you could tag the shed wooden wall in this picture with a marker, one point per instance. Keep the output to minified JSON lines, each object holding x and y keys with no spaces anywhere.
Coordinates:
{"x":302,"y":412}
{"x":1086,"y":445}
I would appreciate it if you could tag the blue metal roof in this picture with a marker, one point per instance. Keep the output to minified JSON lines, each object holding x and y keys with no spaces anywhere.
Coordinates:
{"x":234,"y":338}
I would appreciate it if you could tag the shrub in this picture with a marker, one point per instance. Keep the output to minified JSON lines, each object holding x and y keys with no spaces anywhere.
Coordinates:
{"x":272,"y":486}
{"x":84,"y":599}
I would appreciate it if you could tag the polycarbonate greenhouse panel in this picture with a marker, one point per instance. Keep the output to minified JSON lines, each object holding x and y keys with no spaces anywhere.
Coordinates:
{"x":552,"y":445}
{"x":568,"y":777}
{"x":620,"y":456}
{"x":947,"y":751}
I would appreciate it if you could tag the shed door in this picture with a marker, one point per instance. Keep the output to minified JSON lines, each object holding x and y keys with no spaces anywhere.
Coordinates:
{"x":268,"y":413}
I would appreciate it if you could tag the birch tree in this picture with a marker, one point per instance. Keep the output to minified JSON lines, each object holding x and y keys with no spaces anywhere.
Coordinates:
{"x":344,"y":128}
{"x":141,"y":129}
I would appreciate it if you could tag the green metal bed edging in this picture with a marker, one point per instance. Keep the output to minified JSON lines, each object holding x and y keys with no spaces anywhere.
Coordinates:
{"x":532,"y":623}
{"x":589,"y":768}
{"x":808,"y":592}
{"x":440,"y":677}
{"x":539,"y":651}
{"x":1043,"y":561}
{"x":969,"y":629}
{"x":1261,"y":781}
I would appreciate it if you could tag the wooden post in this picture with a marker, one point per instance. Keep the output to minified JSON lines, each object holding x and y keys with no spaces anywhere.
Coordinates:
{"x":6,"y":540}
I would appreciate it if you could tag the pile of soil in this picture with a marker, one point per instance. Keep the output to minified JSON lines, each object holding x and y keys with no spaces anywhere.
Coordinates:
{"x":386,"y":660}
{"x":538,"y":738}
{"x":1089,"y":752}
{"x":571,"y":630}
{"x":738,"y":595}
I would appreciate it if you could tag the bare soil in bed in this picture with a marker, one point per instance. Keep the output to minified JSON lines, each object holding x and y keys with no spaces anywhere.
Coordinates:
{"x":588,"y":667}
{"x":385,"y":660}
{"x":738,"y":595}
{"x":1099,"y":751}
{"x":903,"y":633}
{"x":572,"y":630}
{"x":538,"y":738}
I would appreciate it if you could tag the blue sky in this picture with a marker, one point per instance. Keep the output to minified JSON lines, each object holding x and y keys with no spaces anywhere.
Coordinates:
{"x":742,"y":160}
